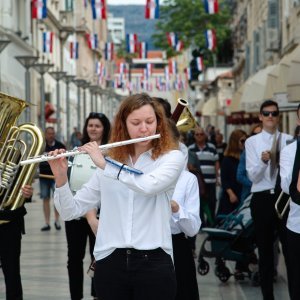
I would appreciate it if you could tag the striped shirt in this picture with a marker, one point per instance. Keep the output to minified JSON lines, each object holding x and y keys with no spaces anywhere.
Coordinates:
{"x":207,"y":157}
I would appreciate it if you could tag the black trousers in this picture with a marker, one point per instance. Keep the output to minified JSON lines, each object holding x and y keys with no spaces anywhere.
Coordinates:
{"x":185,"y":269}
{"x":131,"y":274}
{"x":77,"y":232}
{"x":293,"y":247}
{"x":10,"y":251}
{"x":267,"y":226}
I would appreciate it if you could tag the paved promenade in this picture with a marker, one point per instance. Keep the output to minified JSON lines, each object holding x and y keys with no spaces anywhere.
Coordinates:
{"x":44,"y":272}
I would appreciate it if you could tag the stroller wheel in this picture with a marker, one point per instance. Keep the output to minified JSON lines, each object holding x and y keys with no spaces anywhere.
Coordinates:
{"x":224,"y":274}
{"x":203,"y":267}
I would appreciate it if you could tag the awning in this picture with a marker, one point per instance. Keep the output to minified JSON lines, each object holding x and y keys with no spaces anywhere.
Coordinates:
{"x":256,"y":89}
{"x":236,"y":100}
{"x":293,"y":78}
{"x":210,"y":107}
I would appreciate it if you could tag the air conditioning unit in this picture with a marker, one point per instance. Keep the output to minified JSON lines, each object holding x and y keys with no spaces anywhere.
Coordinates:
{"x":272,"y":39}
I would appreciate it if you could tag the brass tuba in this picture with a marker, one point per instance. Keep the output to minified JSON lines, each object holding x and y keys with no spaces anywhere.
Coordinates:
{"x":14,"y":149}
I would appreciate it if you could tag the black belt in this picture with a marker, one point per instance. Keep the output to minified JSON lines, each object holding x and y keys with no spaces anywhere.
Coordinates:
{"x":134,"y":251}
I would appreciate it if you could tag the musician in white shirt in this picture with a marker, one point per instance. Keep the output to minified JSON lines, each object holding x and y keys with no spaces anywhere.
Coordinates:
{"x":290,"y":184}
{"x":133,"y":246}
{"x":265,"y":191}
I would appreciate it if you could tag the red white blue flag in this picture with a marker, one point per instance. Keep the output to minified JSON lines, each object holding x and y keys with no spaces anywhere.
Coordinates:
{"x":98,"y":9}
{"x":38,"y":9}
{"x":74,"y":46}
{"x":200,"y":65}
{"x":122,"y":68}
{"x":152,"y":9}
{"x":179,"y":46}
{"x":148,"y":70}
{"x":172,"y":39}
{"x":211,"y":6}
{"x":173,"y":66}
{"x":131,"y":42}
{"x":92,"y":40}
{"x":109,"y":51}
{"x":211,"y":40}
{"x":167,"y":73}
{"x":143,"y":50}
{"x":188,"y":73}
{"x":48,"y":42}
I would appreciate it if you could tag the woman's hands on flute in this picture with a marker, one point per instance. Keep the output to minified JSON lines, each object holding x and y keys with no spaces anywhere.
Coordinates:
{"x":92,"y":149}
{"x":59,"y":167}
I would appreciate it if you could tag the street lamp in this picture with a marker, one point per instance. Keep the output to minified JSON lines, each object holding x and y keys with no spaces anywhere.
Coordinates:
{"x":27,"y":62}
{"x":85,"y":85}
{"x":3,"y":44}
{"x":58,"y":75}
{"x":79,"y":83}
{"x":67,"y":80}
{"x":42,"y":68}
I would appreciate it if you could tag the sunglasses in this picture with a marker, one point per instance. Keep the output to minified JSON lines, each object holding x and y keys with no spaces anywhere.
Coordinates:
{"x":96,"y":115}
{"x":267,"y":113}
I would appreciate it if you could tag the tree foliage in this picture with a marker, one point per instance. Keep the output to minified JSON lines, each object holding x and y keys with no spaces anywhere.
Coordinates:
{"x":189,"y":20}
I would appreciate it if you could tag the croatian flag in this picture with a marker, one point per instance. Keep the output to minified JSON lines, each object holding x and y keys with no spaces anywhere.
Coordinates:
{"x":109,"y":51}
{"x":152,"y":9}
{"x":172,"y":39}
{"x":131,"y":42}
{"x":173,"y":66}
{"x":122,"y":68}
{"x":148,"y":70}
{"x":188,"y":73}
{"x":38,"y":9}
{"x":92,"y":40}
{"x":143,"y":50}
{"x":200,"y":65}
{"x":167,"y":73}
{"x":211,"y":6}
{"x":98,"y":9}
{"x":74,"y":50}
{"x":48,"y":42}
{"x":211,"y":40}
{"x":98,"y":67}
{"x":179,"y":46}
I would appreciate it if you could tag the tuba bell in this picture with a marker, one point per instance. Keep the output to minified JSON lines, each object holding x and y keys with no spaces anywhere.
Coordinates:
{"x":183,"y":117}
{"x":16,"y":144}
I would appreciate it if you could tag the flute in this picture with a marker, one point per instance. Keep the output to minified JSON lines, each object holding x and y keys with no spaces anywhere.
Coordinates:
{"x":47,"y":157}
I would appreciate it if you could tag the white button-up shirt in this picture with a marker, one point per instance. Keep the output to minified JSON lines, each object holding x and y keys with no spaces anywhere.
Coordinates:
{"x":135,"y":210}
{"x":258,"y":171}
{"x":287,"y":158}
{"x":186,"y":194}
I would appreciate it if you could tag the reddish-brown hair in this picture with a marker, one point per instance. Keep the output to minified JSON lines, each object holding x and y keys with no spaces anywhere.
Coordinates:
{"x":232,"y":148}
{"x":120,"y":133}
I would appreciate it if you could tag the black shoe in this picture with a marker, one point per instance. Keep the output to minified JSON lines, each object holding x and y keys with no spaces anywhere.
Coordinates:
{"x":57,"y":225}
{"x":46,"y":228}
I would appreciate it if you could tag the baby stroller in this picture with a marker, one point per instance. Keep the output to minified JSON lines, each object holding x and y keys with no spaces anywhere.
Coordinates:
{"x":233,"y":240}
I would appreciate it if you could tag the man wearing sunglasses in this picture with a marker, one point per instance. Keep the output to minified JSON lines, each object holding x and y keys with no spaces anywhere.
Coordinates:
{"x":262,"y":157}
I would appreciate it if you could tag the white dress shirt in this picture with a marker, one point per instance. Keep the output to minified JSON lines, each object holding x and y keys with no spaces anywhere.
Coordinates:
{"x":258,"y":171}
{"x":287,"y":158}
{"x":135,"y":210}
{"x":186,"y":194}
